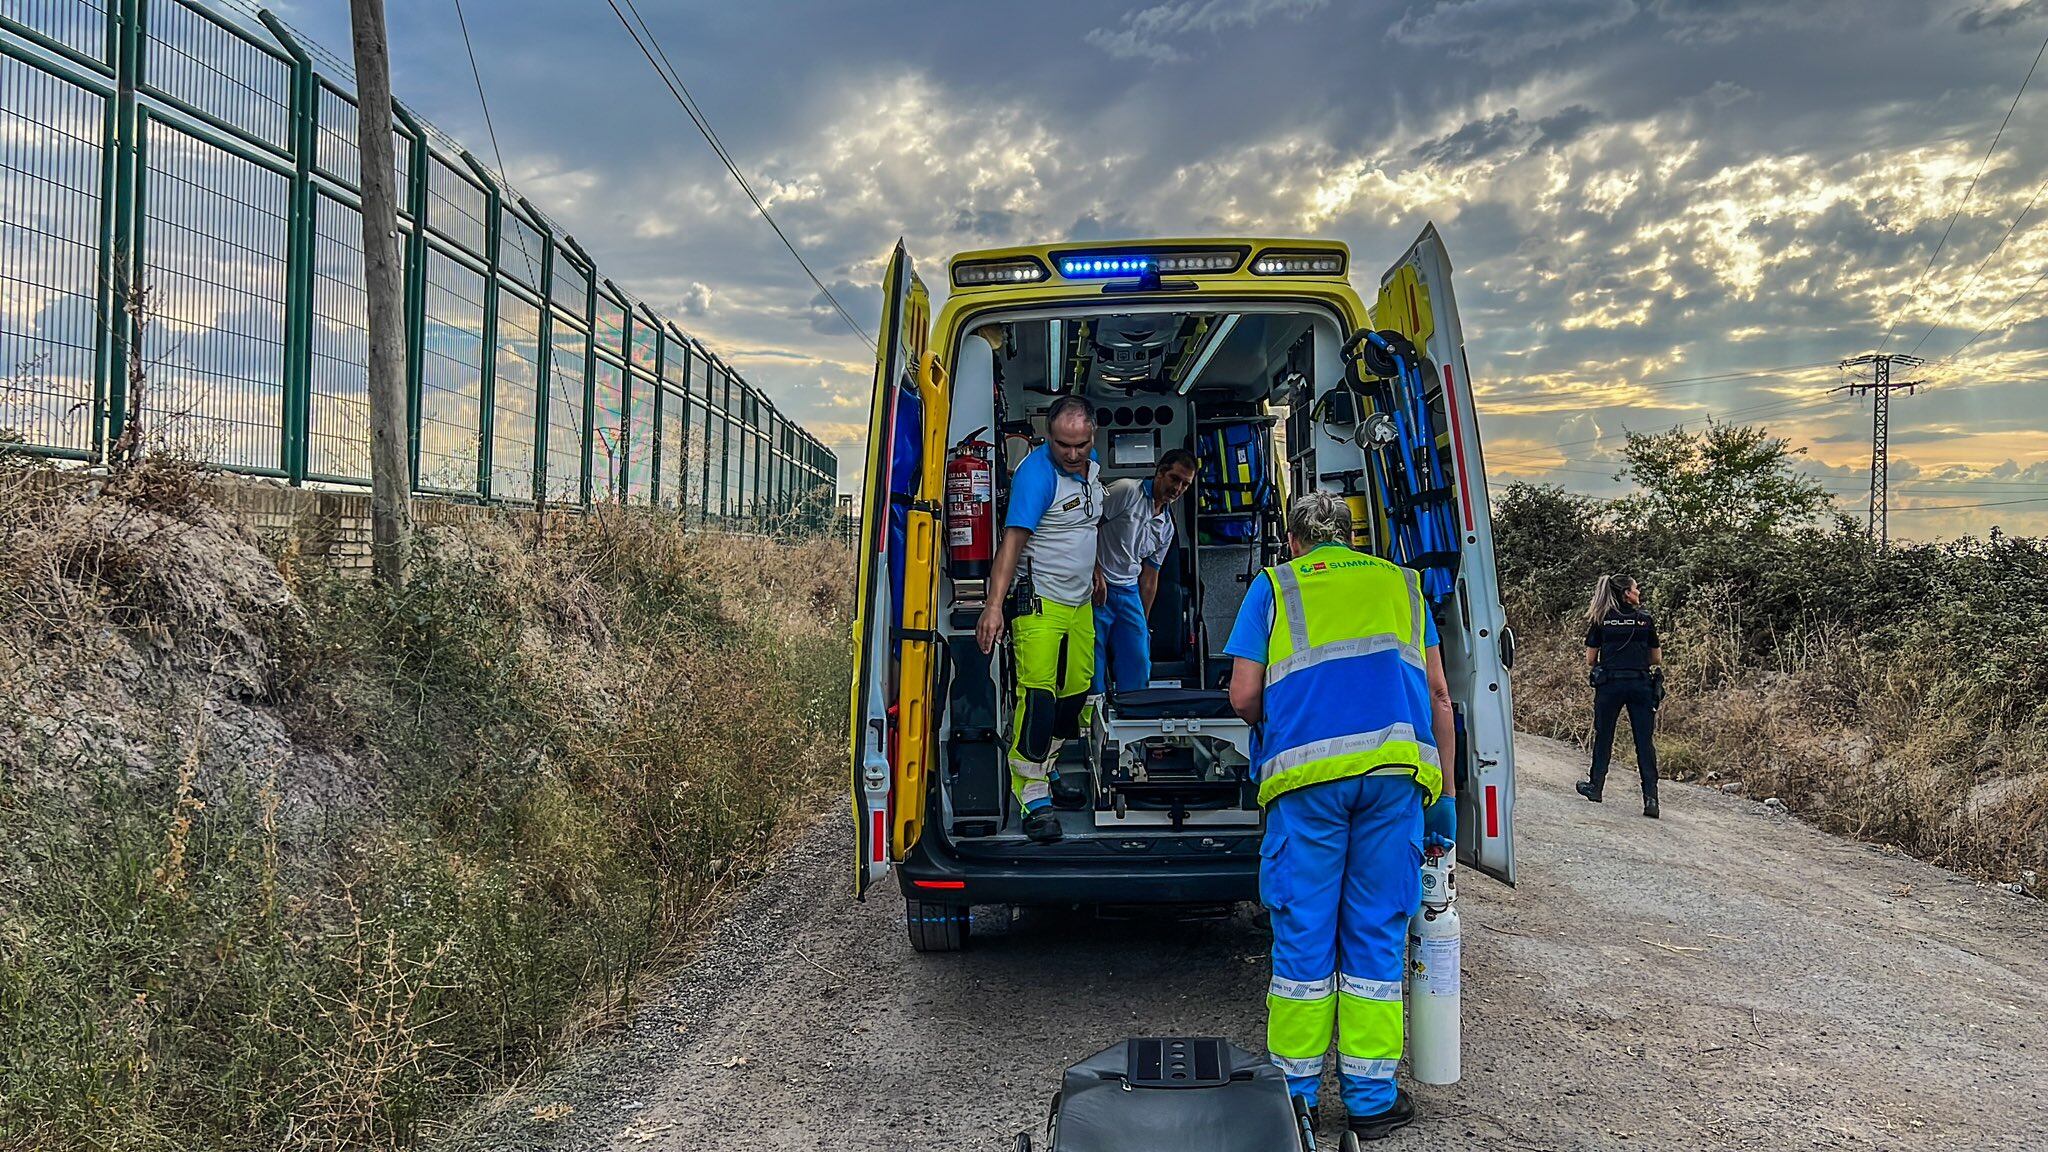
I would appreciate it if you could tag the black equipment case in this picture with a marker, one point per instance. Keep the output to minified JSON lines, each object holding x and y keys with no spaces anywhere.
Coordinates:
{"x":1175,"y":1094}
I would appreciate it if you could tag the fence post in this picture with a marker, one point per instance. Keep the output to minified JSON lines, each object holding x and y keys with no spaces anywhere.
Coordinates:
{"x":543,"y":376}
{"x":119,"y":206}
{"x":683,"y":437}
{"x":417,"y":165}
{"x":487,"y":427}
{"x":589,"y":380}
{"x":299,"y":254}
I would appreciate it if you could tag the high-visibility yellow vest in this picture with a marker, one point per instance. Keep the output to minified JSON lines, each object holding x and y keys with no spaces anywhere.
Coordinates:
{"x":1347,"y":686}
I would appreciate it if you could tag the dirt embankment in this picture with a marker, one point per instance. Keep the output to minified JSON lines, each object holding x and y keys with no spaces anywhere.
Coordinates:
{"x":290,"y":861}
{"x":1725,"y":978}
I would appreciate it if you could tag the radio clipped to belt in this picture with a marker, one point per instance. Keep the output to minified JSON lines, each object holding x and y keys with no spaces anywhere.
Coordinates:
{"x":1022,"y":598}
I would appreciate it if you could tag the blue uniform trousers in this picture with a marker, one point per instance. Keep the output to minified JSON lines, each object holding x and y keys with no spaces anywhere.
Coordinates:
{"x":1123,"y":641}
{"x":1341,"y":872}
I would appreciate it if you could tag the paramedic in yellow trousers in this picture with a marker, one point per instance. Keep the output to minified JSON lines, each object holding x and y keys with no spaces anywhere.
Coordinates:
{"x":1051,"y":523}
{"x":1337,"y":669}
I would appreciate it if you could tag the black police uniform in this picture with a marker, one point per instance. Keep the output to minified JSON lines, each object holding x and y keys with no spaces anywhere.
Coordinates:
{"x":1622,"y":680}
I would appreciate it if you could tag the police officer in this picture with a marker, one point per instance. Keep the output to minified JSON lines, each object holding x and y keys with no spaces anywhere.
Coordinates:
{"x":1050,"y":525}
{"x":1337,"y":668}
{"x":1627,"y":664}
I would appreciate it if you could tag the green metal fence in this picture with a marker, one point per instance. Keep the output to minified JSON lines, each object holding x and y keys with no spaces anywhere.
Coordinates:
{"x":181,"y":263}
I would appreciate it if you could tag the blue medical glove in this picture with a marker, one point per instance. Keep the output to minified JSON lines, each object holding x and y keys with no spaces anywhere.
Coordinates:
{"x":1440,"y":823}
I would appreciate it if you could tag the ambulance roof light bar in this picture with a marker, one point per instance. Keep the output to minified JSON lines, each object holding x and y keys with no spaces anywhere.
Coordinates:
{"x":981,"y":273}
{"x":1273,"y":262}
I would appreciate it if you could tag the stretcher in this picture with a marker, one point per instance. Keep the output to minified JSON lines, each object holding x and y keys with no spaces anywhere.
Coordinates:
{"x":1171,"y":758}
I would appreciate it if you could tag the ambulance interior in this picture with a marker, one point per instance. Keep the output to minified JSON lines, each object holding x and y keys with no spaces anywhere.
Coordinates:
{"x":1258,"y":395}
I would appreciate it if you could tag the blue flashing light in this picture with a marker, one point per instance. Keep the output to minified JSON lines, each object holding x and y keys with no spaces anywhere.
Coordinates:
{"x":1085,"y":268}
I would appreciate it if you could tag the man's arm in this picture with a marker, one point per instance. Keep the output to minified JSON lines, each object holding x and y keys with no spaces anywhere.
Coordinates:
{"x":1443,"y":722}
{"x":989,"y":628}
{"x":1248,"y":690}
{"x":1148,"y":586}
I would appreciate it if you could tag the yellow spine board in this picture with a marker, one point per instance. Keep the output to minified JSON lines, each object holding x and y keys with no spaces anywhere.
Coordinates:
{"x":1403,"y":305}
{"x":917,"y":734}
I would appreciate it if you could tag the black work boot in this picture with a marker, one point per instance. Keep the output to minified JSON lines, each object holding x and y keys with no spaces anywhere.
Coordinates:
{"x":1650,"y":806}
{"x":1042,"y":826}
{"x":1585,"y":788}
{"x":1379,"y":1127}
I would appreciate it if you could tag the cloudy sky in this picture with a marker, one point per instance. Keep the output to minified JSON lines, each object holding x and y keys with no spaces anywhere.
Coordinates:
{"x":1636,"y":193}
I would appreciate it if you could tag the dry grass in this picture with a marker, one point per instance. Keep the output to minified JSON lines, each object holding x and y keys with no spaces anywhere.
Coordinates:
{"x":293,"y":862}
{"x":1889,"y":746}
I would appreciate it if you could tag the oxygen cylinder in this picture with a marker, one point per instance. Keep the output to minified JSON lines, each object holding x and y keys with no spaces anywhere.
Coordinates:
{"x":1434,"y":1001}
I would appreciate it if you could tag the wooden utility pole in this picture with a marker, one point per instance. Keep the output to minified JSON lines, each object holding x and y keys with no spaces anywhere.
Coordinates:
{"x":390,"y":465}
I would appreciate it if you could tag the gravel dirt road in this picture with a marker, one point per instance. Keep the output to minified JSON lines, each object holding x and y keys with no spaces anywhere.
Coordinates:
{"x":1723,"y":978}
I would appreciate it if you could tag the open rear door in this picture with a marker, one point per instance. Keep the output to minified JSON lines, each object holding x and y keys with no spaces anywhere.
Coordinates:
{"x":1416,"y":300}
{"x":905,"y":318}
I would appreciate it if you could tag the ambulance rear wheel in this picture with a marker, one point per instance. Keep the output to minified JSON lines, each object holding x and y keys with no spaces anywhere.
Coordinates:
{"x":935,"y":927}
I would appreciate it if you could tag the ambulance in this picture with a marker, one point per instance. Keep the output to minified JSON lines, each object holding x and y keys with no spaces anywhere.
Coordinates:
{"x":1262,"y":358}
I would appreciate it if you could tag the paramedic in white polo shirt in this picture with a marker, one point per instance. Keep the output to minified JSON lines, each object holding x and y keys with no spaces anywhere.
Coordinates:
{"x":1136,"y":538}
{"x":1055,"y":506}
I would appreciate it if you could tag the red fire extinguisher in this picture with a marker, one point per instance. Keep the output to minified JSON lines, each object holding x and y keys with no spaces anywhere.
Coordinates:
{"x":971,"y":507}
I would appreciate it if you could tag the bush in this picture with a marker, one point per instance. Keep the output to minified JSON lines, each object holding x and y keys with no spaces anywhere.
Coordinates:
{"x":1900,"y":695}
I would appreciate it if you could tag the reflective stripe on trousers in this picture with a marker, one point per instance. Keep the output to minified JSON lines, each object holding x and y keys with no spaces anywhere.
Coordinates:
{"x":1340,"y":872}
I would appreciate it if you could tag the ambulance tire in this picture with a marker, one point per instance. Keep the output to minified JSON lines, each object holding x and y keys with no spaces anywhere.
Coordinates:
{"x":935,"y":927}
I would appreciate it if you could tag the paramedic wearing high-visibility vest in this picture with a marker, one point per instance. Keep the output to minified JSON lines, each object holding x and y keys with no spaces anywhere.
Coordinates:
{"x":1136,"y":538}
{"x":1055,"y":507}
{"x":1337,"y":669}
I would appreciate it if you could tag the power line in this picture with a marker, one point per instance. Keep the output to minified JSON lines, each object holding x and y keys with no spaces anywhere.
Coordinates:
{"x":1971,"y":190}
{"x":674,"y":82}
{"x":492,"y":129}
{"x":1844,"y":485}
{"x":505,"y":185}
{"x":1781,"y":406}
{"x":1988,"y":504}
{"x":1673,"y":383}
{"x":1972,"y":282}
{"x":1995,"y":321}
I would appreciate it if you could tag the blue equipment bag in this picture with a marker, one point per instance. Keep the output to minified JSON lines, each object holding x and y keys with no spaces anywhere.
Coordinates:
{"x":1234,"y":479}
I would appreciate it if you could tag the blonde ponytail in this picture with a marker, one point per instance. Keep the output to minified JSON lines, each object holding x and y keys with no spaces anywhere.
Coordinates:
{"x":1607,"y":595}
